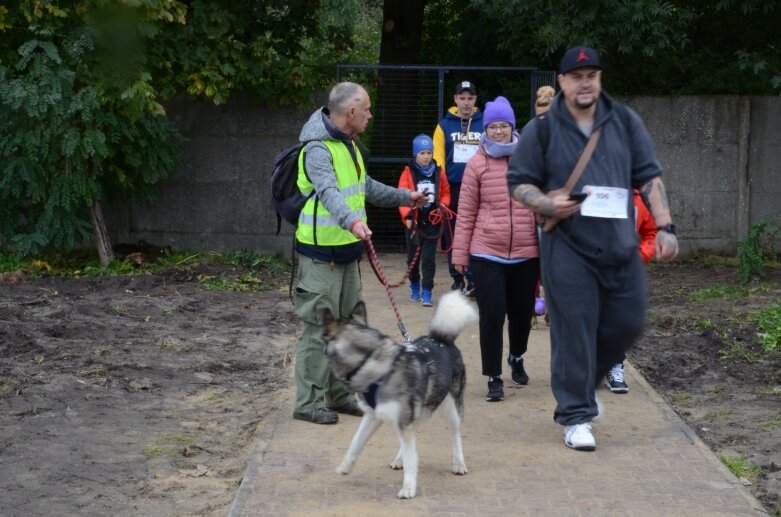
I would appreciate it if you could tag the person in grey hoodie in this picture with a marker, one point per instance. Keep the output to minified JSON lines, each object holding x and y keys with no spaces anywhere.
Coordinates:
{"x":330,"y":239}
{"x":592,"y":273}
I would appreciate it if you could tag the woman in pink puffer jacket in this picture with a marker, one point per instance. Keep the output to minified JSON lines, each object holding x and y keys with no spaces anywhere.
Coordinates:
{"x":497,"y":237}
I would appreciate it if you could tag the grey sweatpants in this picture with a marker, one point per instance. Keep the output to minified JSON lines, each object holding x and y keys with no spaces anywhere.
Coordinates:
{"x":596,"y":312}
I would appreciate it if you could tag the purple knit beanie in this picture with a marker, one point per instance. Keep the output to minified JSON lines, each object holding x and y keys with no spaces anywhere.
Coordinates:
{"x":498,"y":110}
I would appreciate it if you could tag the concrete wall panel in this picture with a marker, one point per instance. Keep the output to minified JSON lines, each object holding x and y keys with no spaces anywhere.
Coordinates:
{"x":721,"y":156}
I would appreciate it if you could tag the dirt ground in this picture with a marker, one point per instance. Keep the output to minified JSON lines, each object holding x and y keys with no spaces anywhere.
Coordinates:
{"x":704,"y":357}
{"x":143,"y":395}
{"x":135,"y":395}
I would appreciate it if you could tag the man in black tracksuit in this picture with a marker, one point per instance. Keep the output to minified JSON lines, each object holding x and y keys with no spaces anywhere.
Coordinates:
{"x":593,"y":276}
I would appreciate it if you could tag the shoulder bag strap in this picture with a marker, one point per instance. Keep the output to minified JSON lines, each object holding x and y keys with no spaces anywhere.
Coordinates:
{"x":585,"y":156}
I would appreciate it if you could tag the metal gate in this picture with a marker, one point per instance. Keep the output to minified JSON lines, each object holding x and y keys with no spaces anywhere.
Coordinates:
{"x":408,"y":100}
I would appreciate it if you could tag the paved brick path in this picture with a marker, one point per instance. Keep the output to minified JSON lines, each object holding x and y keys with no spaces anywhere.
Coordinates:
{"x":647,"y":463}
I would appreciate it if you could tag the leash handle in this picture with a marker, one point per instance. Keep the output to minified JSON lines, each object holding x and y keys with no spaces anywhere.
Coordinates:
{"x":381,"y":276}
{"x":447,"y":226}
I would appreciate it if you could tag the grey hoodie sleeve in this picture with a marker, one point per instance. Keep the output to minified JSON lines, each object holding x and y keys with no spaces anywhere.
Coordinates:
{"x":381,"y":194}
{"x":320,"y":168}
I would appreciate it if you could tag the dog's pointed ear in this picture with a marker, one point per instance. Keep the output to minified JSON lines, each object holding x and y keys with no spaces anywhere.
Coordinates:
{"x":359,"y":313}
{"x":329,"y":323}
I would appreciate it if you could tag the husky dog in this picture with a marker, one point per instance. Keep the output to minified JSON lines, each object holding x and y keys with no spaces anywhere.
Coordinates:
{"x":401,"y":385}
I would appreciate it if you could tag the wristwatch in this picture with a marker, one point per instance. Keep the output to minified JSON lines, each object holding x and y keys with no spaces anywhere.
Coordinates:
{"x":669,"y":228}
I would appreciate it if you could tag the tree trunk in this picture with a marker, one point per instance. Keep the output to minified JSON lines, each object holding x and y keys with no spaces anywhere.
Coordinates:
{"x":102,"y":241}
{"x":401,"y":44}
{"x":402,"y":27}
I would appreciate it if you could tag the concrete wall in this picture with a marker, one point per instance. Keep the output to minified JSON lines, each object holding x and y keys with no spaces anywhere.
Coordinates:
{"x":218,"y":198}
{"x":721,"y":160}
{"x":721,"y":156}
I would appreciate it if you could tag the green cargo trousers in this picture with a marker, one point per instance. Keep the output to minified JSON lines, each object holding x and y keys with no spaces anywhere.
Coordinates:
{"x":321,"y":285}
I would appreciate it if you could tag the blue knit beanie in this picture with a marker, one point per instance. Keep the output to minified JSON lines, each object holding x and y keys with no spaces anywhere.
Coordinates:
{"x":498,"y":111}
{"x":422,"y":143}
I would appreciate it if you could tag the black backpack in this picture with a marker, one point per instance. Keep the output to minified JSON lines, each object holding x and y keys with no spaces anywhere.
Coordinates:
{"x":287,"y":198}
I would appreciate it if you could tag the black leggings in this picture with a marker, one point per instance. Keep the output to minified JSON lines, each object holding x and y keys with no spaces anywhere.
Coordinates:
{"x":504,"y":290}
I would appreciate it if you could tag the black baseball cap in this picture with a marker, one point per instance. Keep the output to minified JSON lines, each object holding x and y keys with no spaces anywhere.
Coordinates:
{"x":579,"y":57}
{"x":466,"y":85}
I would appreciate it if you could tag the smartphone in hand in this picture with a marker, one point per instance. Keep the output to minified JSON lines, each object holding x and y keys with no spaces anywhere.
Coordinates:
{"x":578,"y":196}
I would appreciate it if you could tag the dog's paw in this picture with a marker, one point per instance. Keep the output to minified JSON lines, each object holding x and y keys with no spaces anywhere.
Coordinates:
{"x":407,"y":492}
{"x":459,"y":468}
{"x":344,"y":467}
{"x":396,"y":464}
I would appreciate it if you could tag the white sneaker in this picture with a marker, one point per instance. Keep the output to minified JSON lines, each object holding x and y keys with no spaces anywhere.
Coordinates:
{"x":579,"y":437}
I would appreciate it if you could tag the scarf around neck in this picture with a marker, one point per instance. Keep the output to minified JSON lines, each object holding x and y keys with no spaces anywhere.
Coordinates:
{"x":497,"y":150}
{"x":428,"y":171}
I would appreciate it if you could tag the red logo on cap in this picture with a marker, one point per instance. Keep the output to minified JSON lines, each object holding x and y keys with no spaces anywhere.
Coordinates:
{"x":582,"y":56}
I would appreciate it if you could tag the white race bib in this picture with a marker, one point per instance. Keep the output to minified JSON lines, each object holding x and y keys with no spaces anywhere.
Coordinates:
{"x":428,"y":188}
{"x":606,"y":202}
{"x":463,"y":152}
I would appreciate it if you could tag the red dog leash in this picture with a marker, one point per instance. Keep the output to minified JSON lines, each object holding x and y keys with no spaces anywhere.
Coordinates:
{"x":375,"y":264}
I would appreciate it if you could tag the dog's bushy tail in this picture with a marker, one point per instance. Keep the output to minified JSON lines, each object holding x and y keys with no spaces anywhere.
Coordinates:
{"x":453,"y":314}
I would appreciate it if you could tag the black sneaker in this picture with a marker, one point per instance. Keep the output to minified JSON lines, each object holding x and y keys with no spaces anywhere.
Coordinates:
{"x":458,"y":285}
{"x":519,"y":374}
{"x":469,"y":290}
{"x":318,"y":416}
{"x":615,"y":379}
{"x":351,"y":408}
{"x":495,"y":389}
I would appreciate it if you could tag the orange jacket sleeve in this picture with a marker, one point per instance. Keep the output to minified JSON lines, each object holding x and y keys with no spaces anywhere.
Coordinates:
{"x":405,"y":181}
{"x":646,"y":227}
{"x":444,"y":188}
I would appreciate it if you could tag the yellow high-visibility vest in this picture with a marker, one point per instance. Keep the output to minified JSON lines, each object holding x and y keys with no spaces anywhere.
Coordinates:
{"x":316,"y":226}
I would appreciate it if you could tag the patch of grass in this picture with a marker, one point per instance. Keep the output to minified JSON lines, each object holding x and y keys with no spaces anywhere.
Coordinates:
{"x":703,"y":324}
{"x":97,"y":370}
{"x":741,"y":467}
{"x":756,"y":250}
{"x":173,"y":344}
{"x":247,"y":282}
{"x":39,"y":359}
{"x":717,"y":291}
{"x":767,"y":425}
{"x":722,"y":414}
{"x":773,"y":391}
{"x":261,"y":275}
{"x":168,"y":445}
{"x":738,"y":351}
{"x":81,"y":265}
{"x":11,"y":263}
{"x":769,"y":321}
{"x":183,"y":258}
{"x":5,"y":387}
{"x":152,"y":451}
{"x":179,"y":440}
{"x":102,"y":351}
{"x":274,"y":264}
{"x":208,"y":396}
{"x":683,"y":399}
